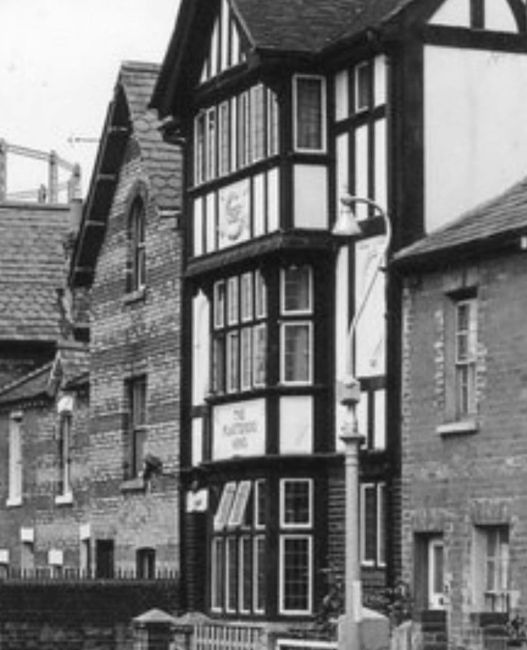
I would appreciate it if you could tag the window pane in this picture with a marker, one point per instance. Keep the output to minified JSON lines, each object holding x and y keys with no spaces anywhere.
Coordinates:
{"x":232,"y":300}
{"x":260,"y":356}
{"x":296,"y":352}
{"x":247,"y":297}
{"x":309,"y":114}
{"x":260,"y":500}
{"x":219,"y":304}
{"x":296,"y":502}
{"x":296,"y":289}
{"x":272,"y":123}
{"x":236,"y":516}
{"x":211,"y":144}
{"x":246,"y":360}
{"x":219,"y":363}
{"x":369,"y":518}
{"x":233,"y":362}
{"x":363,"y":86}
{"x":224,"y":139}
{"x":245,"y":574}
{"x":259,"y":574}
{"x":296,"y":558}
{"x":199,"y":167}
{"x":260,"y":295}
{"x":257,"y":123}
{"x":231,"y":581}
{"x":217,"y":573}
{"x":224,"y":506}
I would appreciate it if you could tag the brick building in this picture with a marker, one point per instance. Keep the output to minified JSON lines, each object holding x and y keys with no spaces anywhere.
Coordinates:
{"x":32,"y":258}
{"x":464,"y":455}
{"x":285,"y":109}
{"x":128,"y":253}
{"x":89,"y":440}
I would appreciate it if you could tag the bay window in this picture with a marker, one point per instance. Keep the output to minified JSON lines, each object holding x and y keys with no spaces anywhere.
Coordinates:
{"x":296,"y":546}
{"x":296,"y":335}
{"x":236,"y":133}
{"x":239,"y":347}
{"x":238,"y":549}
{"x":310,"y":113}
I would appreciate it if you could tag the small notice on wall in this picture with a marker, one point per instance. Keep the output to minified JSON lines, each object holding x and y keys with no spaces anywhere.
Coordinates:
{"x":239,"y":429}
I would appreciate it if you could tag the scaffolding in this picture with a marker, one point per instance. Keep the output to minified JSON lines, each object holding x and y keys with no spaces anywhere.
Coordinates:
{"x":44,"y":193}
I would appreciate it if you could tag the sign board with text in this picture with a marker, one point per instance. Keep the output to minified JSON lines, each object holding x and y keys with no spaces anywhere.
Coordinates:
{"x":239,"y":429}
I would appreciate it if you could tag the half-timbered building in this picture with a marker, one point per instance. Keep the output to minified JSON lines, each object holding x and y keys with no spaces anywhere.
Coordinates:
{"x":285,"y":108}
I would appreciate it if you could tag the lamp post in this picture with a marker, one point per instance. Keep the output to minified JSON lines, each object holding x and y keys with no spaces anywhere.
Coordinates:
{"x":348,"y":227}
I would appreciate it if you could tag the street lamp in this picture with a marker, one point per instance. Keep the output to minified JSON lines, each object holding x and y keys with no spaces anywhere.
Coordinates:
{"x":347,"y":227}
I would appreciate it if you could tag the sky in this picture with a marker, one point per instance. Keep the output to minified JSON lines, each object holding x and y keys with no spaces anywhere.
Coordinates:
{"x":59,"y":61}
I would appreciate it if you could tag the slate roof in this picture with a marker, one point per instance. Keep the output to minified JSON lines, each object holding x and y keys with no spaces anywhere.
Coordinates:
{"x":272,"y":27}
{"x":311,"y":25}
{"x":69,"y":370}
{"x":128,"y":117}
{"x":501,"y":218}
{"x":31,"y":269}
{"x":161,"y":160}
{"x":34,"y":384}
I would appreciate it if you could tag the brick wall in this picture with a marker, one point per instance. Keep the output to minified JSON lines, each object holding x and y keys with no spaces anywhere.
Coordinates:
{"x":130,"y":337}
{"x":83,"y":615}
{"x":55,"y":526}
{"x":453,"y":481}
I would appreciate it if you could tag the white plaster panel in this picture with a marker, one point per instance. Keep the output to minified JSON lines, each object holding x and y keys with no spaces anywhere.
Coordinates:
{"x":239,"y":429}
{"x":379,"y":433}
{"x":379,"y":73}
{"x":455,"y":13}
{"x":197,"y":440}
{"x":361,"y":169}
{"x":273,"y":197}
{"x":475,"y":146}
{"x":198,"y":227}
{"x":56,"y":557}
{"x":259,"y":205}
{"x":211,"y":222}
{"x":4,"y":556}
{"x":370,"y":333}
{"x":342,"y":166}
{"x":499,"y":17}
{"x":381,"y":165}
{"x":296,"y":425}
{"x":342,"y":95}
{"x":311,"y":196}
{"x":200,"y":347}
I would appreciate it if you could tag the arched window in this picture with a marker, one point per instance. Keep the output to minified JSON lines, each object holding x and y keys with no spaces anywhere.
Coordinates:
{"x":136,"y":244}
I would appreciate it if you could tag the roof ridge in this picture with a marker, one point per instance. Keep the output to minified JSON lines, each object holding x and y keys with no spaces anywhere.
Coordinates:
{"x":21,"y":380}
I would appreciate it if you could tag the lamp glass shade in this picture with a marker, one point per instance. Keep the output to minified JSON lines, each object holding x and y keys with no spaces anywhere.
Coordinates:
{"x":346,"y":224}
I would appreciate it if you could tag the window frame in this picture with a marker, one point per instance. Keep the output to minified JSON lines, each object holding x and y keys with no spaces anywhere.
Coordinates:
{"x":283,"y":290}
{"x":65,"y":433}
{"x":465,"y":405}
{"x":379,"y":495}
{"x":15,"y":483}
{"x":284,"y":325}
{"x":284,"y":482}
{"x":136,"y":233}
{"x":367,"y":68}
{"x":137,"y":396}
{"x":284,"y":538}
{"x":323,"y":114}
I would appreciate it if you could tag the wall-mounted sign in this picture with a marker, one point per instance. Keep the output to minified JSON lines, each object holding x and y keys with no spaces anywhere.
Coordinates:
{"x":234,"y":214}
{"x":239,"y":429}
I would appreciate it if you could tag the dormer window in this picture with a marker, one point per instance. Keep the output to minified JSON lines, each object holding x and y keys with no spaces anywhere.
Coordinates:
{"x":136,"y":245}
{"x":309,"y":103}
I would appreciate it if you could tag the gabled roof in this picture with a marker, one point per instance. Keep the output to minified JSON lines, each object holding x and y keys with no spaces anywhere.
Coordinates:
{"x":68,"y":370}
{"x":269,"y":27}
{"x":32,"y":268}
{"x":495,"y":222}
{"x":128,"y":117}
{"x":34,"y":384}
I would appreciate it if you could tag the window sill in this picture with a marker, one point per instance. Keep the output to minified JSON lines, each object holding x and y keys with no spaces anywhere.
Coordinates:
{"x":134,"y":296}
{"x":13,"y":502}
{"x":133,"y":485}
{"x":64,"y":499}
{"x":459,"y":427}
